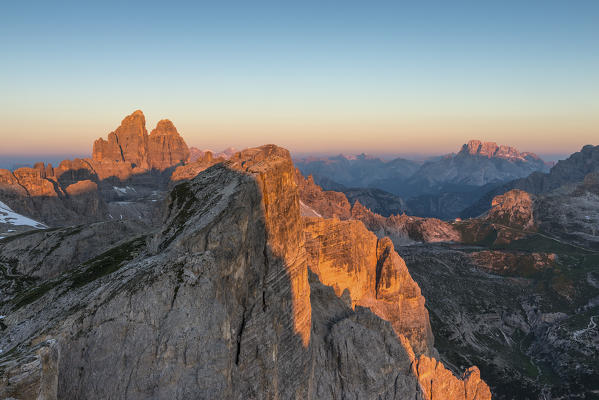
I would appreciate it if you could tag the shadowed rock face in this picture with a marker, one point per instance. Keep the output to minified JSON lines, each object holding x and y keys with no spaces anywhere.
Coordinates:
{"x":45,"y":254}
{"x":220,"y":292}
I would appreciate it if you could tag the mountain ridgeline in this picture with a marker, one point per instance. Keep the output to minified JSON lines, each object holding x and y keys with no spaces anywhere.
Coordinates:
{"x":234,"y":294}
{"x":440,"y":188}
{"x":152,"y":270}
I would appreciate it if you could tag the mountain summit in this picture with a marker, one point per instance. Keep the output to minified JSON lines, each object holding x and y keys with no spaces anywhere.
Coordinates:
{"x":130,"y":142}
{"x":491,"y":149}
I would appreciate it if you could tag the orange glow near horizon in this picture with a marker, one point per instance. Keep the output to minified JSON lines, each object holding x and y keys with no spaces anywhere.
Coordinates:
{"x":313,"y":134}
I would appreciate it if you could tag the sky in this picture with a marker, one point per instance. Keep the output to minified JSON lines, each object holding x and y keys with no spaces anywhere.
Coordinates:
{"x":313,"y":76}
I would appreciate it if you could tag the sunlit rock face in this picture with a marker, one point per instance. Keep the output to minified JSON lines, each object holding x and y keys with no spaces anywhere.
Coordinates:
{"x":130,"y":149}
{"x":346,"y":256}
{"x":199,"y":163}
{"x":275,"y":174}
{"x":129,"y":142}
{"x":400,"y":228}
{"x":514,"y":209}
{"x":166,"y":147}
{"x":222,"y":290}
{"x":438,"y":383}
{"x":34,"y":182}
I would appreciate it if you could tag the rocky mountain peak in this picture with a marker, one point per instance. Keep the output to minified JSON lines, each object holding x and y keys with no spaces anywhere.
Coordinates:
{"x":166,"y":148}
{"x":164,"y":128}
{"x":489,"y":149}
{"x":513,"y":209}
{"x":227,"y":277}
{"x":130,"y":143}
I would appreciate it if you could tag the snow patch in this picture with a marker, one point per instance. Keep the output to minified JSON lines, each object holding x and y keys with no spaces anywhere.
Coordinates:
{"x":308,"y":211}
{"x":8,"y":216}
{"x":120,"y":189}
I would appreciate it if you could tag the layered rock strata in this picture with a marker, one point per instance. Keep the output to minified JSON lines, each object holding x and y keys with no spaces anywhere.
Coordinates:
{"x":222,"y":291}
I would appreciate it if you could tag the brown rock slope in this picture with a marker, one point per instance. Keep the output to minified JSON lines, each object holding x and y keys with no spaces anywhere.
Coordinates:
{"x":220,"y":304}
{"x":400,"y":228}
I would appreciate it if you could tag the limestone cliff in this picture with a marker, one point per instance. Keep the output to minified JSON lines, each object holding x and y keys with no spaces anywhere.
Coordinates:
{"x":222,"y":292}
{"x":346,"y":256}
{"x":129,"y":149}
{"x":166,"y":147}
{"x":128,"y":143}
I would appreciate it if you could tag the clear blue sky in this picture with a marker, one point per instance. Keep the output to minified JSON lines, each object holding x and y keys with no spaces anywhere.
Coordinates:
{"x":313,"y":76}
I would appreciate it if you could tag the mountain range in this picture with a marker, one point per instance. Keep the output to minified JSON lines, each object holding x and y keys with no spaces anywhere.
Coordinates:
{"x":441,"y":187}
{"x":152,"y":270}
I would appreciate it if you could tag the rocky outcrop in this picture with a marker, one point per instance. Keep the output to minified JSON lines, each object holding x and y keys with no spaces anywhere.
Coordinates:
{"x":346,"y":256}
{"x":326,"y":203}
{"x":400,"y":228}
{"x":43,"y":195}
{"x":35,"y":183}
{"x":403,"y":229}
{"x":491,"y":149}
{"x":130,"y":150}
{"x":515,"y":263}
{"x":438,"y":383}
{"x":166,"y":147}
{"x":128,"y":143}
{"x":569,"y":171}
{"x":378,"y":201}
{"x":222,"y":292}
{"x":511,"y":218}
{"x":513,"y":209}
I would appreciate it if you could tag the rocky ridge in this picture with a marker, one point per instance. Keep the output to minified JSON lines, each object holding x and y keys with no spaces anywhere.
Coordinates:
{"x":442,"y":187}
{"x":401,"y":229}
{"x":223,"y":291}
{"x":121,"y":179}
{"x":571,"y":171}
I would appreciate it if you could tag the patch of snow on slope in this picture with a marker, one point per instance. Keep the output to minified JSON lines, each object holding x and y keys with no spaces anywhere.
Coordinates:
{"x":308,"y":211}
{"x":8,"y":216}
{"x":120,"y":189}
